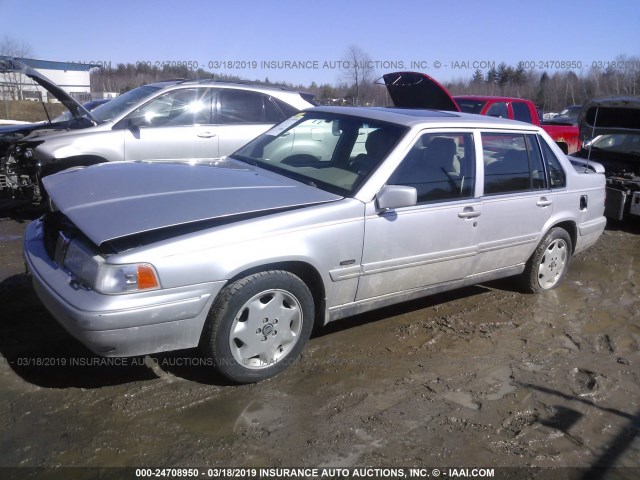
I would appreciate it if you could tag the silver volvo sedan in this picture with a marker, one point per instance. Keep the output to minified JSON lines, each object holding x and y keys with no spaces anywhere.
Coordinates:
{"x":334,"y":212}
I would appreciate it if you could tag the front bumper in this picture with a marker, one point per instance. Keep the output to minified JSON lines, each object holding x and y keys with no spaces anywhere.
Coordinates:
{"x":119,"y":325}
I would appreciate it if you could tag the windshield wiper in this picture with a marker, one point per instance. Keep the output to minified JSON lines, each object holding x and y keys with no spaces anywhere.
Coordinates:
{"x":244,"y":159}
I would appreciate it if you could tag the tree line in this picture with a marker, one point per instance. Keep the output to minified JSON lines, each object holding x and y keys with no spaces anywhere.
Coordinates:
{"x":360,"y":84}
{"x":551,"y":91}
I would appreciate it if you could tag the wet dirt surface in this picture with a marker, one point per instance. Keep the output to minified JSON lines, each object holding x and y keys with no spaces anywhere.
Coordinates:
{"x":484,"y":376}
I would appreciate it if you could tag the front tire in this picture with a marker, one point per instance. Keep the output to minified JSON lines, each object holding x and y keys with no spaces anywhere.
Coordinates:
{"x":549,"y":263}
{"x":259,"y":325}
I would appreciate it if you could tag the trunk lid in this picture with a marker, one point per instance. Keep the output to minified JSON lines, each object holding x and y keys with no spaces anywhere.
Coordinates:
{"x":418,"y":90}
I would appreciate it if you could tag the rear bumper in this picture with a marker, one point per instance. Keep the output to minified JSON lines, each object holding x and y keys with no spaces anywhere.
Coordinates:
{"x":588,"y":233}
{"x":119,"y":325}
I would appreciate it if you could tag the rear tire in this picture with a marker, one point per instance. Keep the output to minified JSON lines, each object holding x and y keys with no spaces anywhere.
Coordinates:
{"x":259,"y":325}
{"x":548,"y":265}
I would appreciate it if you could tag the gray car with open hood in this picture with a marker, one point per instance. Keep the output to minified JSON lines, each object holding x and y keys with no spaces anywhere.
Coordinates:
{"x":333,"y":212}
{"x":610,"y":133}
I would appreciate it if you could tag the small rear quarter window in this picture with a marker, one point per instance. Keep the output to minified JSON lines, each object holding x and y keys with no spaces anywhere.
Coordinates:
{"x":557,"y":177}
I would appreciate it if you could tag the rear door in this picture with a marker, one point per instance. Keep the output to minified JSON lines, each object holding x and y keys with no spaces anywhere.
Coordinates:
{"x":516,"y":200}
{"x":241,"y":115}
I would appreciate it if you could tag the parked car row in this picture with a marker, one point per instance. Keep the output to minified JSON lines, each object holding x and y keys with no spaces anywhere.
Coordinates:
{"x":206,"y":120}
{"x":178,"y":119}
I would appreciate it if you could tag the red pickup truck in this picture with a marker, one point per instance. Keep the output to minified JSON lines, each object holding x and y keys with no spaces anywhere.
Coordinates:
{"x":566,"y":136}
{"x":418,"y":90}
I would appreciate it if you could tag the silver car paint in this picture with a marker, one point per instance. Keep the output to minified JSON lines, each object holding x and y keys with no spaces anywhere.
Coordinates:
{"x":361,"y":254}
{"x":170,"y":195}
{"x":113,"y":141}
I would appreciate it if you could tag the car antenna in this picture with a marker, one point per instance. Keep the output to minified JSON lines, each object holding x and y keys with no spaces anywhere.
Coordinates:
{"x":593,"y":133}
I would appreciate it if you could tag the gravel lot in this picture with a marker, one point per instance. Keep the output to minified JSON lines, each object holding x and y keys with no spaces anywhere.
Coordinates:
{"x":484,"y":376}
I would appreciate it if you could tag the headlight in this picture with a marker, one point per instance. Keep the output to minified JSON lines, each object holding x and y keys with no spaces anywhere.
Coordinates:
{"x":126,"y":278}
{"x":92,"y":271}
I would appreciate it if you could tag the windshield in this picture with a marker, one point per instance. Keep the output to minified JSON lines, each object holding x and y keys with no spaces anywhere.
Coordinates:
{"x":120,"y":104}
{"x":618,"y":142}
{"x":336,"y":153}
{"x":470,"y":106}
{"x":90,"y":106}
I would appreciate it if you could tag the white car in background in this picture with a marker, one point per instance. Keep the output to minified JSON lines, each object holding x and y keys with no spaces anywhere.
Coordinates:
{"x":166,"y":121}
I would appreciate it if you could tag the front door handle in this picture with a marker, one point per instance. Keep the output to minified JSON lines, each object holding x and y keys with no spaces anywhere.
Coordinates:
{"x":206,"y":134}
{"x":468,"y":213}
{"x":544,"y":202}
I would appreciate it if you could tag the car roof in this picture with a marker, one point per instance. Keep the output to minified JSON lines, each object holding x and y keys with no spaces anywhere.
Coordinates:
{"x":489,"y":97}
{"x":240,"y":84}
{"x":411,"y":117}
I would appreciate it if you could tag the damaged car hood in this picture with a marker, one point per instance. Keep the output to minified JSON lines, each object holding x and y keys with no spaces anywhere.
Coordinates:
{"x":115,"y":200}
{"x":609,"y":115}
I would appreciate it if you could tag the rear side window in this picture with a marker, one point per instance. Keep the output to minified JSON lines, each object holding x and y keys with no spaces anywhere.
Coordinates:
{"x":287,"y":109}
{"x":521,"y":112}
{"x":240,"y":106}
{"x":512,"y":163}
{"x":557,"y":177}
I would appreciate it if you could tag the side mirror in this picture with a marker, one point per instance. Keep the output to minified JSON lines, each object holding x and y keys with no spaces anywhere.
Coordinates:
{"x":396,"y":196}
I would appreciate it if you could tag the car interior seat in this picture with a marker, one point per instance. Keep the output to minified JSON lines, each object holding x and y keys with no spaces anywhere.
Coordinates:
{"x":377,"y":145}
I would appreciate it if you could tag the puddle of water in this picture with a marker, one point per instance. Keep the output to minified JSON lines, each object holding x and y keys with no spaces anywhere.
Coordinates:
{"x":229,"y":415}
{"x":462,"y":398}
{"x":504,"y":377}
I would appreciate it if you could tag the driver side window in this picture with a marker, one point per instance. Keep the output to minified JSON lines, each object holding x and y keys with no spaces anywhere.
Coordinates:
{"x":178,"y":108}
{"x":440,"y":166}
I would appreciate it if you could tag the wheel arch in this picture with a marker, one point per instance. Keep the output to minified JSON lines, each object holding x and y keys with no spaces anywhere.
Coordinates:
{"x":303,"y":270}
{"x":570,"y":227}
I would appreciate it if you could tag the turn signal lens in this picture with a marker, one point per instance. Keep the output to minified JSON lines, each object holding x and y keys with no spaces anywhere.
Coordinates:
{"x":146,"y":277}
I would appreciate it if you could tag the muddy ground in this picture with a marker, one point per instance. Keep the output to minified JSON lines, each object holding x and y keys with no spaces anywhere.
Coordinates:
{"x":485,"y":376}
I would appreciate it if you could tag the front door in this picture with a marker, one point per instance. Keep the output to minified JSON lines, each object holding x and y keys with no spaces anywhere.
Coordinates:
{"x":173,"y":126}
{"x":434,"y":241}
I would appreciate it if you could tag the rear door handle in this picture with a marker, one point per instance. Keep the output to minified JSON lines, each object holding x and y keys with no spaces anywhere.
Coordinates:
{"x":469,"y":213}
{"x":543,"y":202}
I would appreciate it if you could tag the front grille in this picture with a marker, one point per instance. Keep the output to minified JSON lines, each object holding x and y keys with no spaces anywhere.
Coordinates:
{"x":53,"y":224}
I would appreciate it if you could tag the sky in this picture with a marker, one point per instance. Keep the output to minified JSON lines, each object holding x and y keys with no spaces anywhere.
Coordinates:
{"x":300,"y":42}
